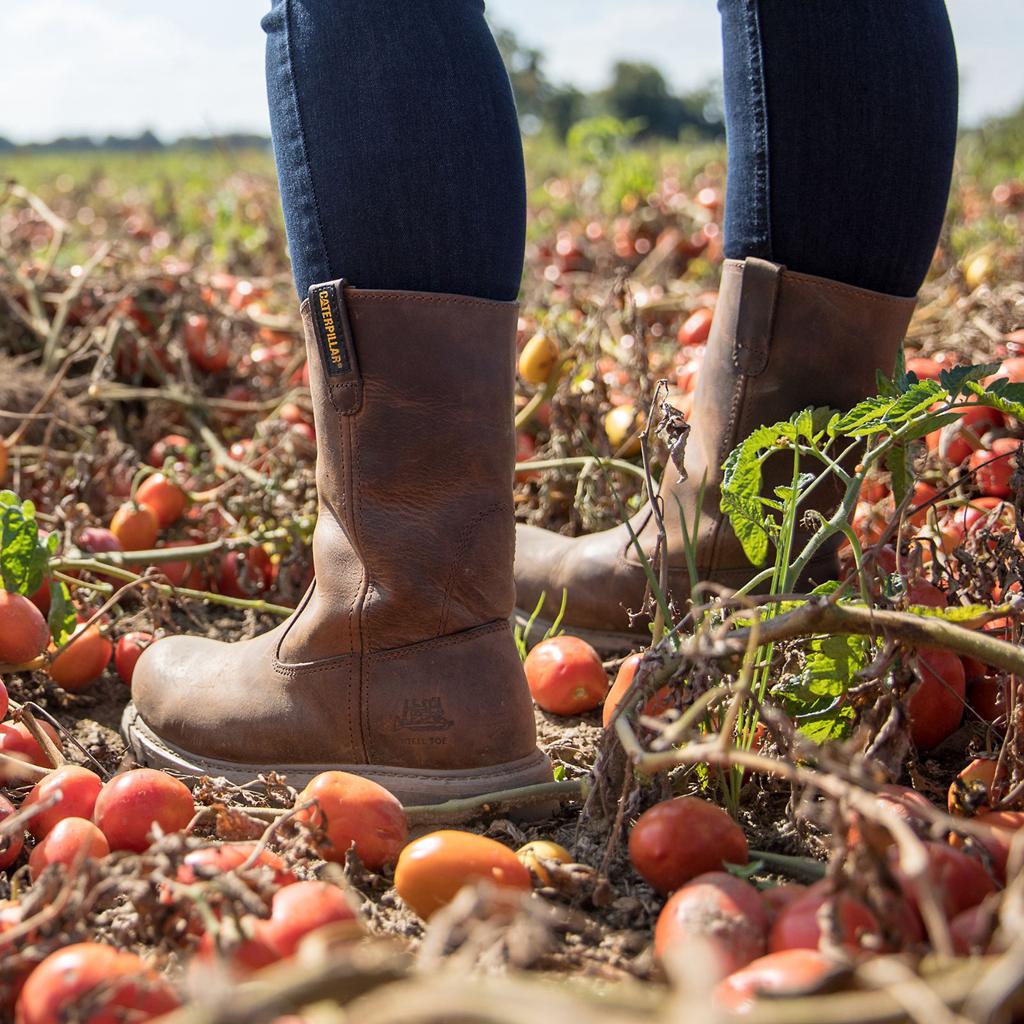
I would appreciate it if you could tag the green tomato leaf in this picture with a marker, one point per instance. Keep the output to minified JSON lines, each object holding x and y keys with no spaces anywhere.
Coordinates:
{"x":955,"y":380}
{"x":23,"y":559}
{"x":62,"y":619}
{"x":898,"y":462}
{"x":1001,"y":394}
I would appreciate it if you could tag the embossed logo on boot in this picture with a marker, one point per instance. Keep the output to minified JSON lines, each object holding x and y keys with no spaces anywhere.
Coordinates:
{"x":423,"y":716}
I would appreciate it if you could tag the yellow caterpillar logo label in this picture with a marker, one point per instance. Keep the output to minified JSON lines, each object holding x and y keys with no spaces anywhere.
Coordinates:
{"x":332,"y":328}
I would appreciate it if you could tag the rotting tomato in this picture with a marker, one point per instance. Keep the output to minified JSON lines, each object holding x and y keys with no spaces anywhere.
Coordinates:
{"x":534,"y":854}
{"x":23,"y":630}
{"x":678,"y":839}
{"x":969,"y":791}
{"x":565,"y":676}
{"x":130,"y":804}
{"x":433,"y":868}
{"x":355,"y":811}
{"x":10,"y":845}
{"x":655,"y":705}
{"x":95,"y":539}
{"x":163,"y":497}
{"x":112,"y":983}
{"x":299,"y":910}
{"x":798,"y":926}
{"x":135,"y":526}
{"x":789,"y":972}
{"x":935,"y":705}
{"x":70,"y":839}
{"x":83,"y":660}
{"x":622,"y":425}
{"x":77,"y":788}
{"x":720,"y":910}
{"x":999,"y":828}
{"x":127,"y":652}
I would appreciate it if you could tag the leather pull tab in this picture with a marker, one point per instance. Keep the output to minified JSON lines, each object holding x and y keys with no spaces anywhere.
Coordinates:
{"x":758,"y":295}
{"x":336,"y":344}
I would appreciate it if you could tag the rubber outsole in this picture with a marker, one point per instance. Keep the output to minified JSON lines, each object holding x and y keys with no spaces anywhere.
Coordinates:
{"x":411,"y":786}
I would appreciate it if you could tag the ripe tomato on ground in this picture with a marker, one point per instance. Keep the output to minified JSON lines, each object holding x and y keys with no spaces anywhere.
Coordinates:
{"x":661,"y":701}
{"x":565,"y":676}
{"x":936,"y":704}
{"x":127,"y":652}
{"x":355,"y":811}
{"x":210,"y":861}
{"x":798,"y":925}
{"x":299,"y":910}
{"x":10,"y":845}
{"x":130,"y":804}
{"x":77,"y":788}
{"x":678,"y":839}
{"x":788,"y":971}
{"x":68,"y":840}
{"x":124,"y":985}
{"x":135,"y":526}
{"x":23,"y":630}
{"x":433,"y":868}
{"x":163,"y":497}
{"x":994,"y":466}
{"x":83,"y":660}
{"x":17,"y":742}
{"x":245,"y":574}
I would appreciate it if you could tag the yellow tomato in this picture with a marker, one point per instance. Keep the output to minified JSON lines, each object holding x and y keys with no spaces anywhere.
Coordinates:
{"x":533,"y":855}
{"x":538,"y":358}
{"x":620,"y":424}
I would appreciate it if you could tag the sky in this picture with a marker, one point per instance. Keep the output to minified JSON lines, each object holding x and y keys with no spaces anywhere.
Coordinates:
{"x":97,"y":67}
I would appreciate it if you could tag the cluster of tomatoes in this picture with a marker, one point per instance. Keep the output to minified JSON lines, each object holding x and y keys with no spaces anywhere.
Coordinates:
{"x":770,"y":940}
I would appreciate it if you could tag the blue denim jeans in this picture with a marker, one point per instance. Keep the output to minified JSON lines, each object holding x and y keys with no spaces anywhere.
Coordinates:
{"x":400,"y":162}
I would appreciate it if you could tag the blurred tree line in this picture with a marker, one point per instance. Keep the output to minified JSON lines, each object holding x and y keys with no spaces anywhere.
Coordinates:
{"x":637,"y":93}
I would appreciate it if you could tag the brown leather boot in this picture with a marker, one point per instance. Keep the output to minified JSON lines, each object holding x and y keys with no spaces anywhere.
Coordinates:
{"x":780,"y":342}
{"x":399,"y":663}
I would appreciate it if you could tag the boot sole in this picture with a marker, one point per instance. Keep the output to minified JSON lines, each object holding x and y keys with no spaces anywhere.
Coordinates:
{"x":412,"y":786}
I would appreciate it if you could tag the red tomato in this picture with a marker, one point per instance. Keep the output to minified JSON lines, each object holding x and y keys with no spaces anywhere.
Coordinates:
{"x":11,"y":845}
{"x":777,"y":897}
{"x":661,"y":701}
{"x":163,"y":497}
{"x":696,"y":327}
{"x":17,"y":742}
{"x":971,"y":931}
{"x":210,"y":861}
{"x":23,"y":630}
{"x":936,"y":704}
{"x":210,"y":355}
{"x":302,"y":908}
{"x":135,"y":526}
{"x":172,"y":445}
{"x":65,"y":843}
{"x":957,"y":440}
{"x":254,"y":951}
{"x":798,"y":925}
{"x":990,"y":697}
{"x":924,"y":367}
{"x":124,"y":987}
{"x":130,"y":804}
{"x":1000,"y":828}
{"x":906,"y":803}
{"x":720,"y":910}
{"x":994,"y":467}
{"x":958,"y":880}
{"x":186,"y":573}
{"x":127,"y":652}
{"x":355,"y":811}
{"x":566,"y":676}
{"x":83,"y":660}
{"x":247,"y":574}
{"x":677,"y":840}
{"x":78,"y":789}
{"x":778,"y":974}
{"x":433,"y":868}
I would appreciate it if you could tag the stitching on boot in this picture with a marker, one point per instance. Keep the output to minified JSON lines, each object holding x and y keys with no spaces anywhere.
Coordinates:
{"x":438,"y":299}
{"x":460,"y":551}
{"x":809,"y":282}
{"x":725,"y":446}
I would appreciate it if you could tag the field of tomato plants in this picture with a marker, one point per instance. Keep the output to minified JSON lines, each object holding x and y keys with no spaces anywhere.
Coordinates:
{"x":807,"y":807}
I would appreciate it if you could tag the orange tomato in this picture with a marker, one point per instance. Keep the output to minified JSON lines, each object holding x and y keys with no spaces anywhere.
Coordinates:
{"x":565,"y":676}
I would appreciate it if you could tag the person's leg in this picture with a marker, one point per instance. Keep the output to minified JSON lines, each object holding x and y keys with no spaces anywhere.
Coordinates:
{"x":841,"y":124}
{"x":841,"y":121}
{"x":397,"y":146}
{"x":401,"y":173}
